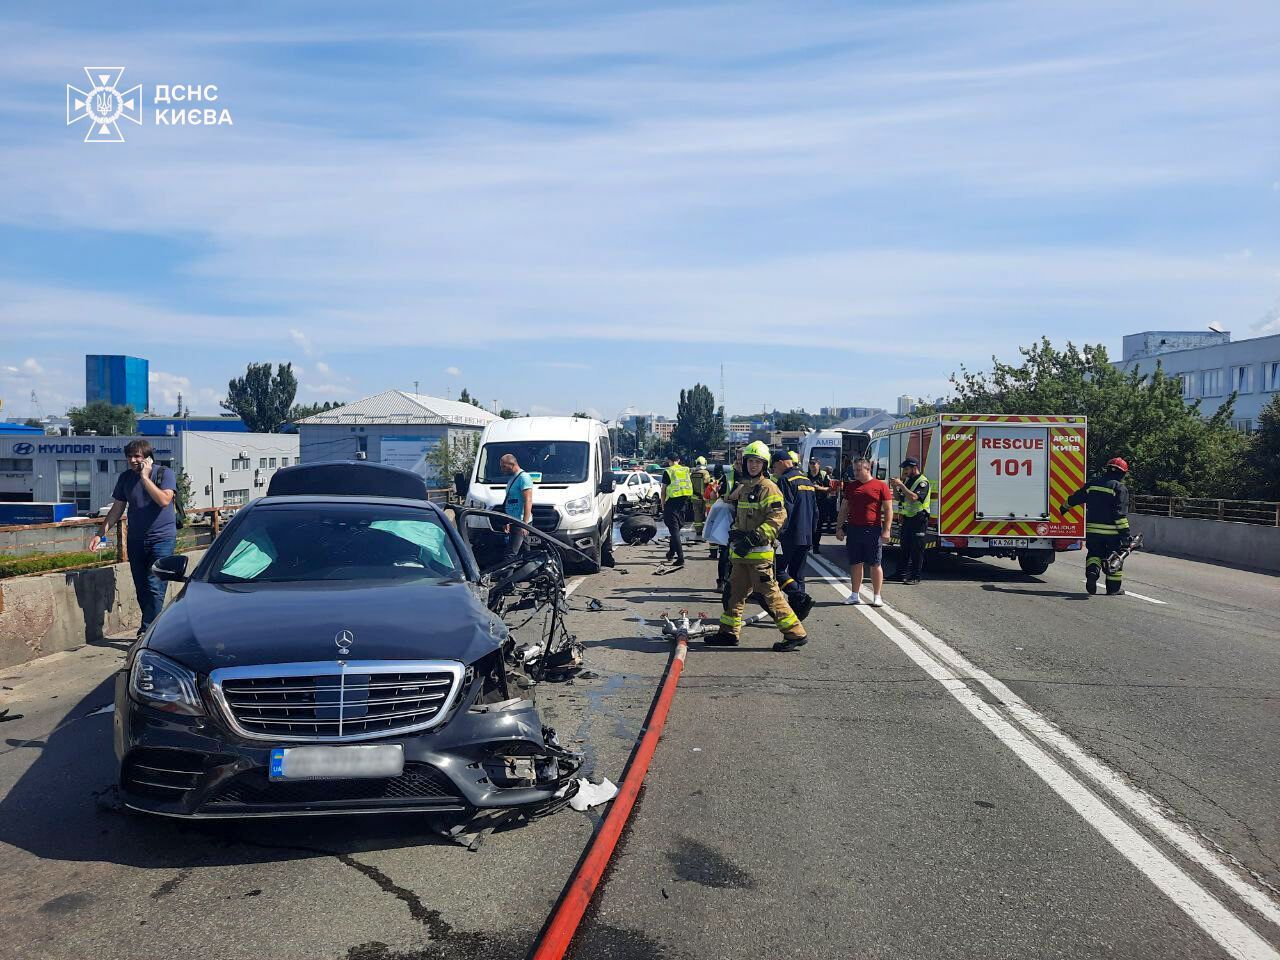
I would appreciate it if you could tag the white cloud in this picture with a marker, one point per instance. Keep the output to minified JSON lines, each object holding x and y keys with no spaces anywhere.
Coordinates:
{"x":453,"y":371}
{"x":302,"y":340}
{"x":31,"y":367}
{"x":323,"y":368}
{"x":165,"y":388}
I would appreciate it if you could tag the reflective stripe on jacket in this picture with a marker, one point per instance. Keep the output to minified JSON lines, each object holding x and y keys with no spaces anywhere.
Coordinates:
{"x":921,"y":488}
{"x":757,"y":505}
{"x":679,"y":483}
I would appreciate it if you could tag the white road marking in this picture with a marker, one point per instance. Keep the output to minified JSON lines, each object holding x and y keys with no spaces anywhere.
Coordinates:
{"x":1215,"y":919}
{"x":572,"y":584}
{"x":1130,"y":593}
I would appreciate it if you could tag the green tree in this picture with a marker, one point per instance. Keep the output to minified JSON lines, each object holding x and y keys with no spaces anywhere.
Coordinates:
{"x":182,"y":494}
{"x":1171,"y":448}
{"x":466,"y":397}
{"x":104,"y":418}
{"x":794,"y":420}
{"x":261,"y":400}
{"x":455,"y":454}
{"x":300,"y":411}
{"x":582,"y":416}
{"x":699,"y":425}
{"x":507,"y":414}
{"x":1263,"y":455}
{"x":33,"y":422}
{"x":641,"y":435}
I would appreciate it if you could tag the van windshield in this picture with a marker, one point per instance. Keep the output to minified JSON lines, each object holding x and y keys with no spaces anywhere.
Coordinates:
{"x":828,"y":457}
{"x":559,"y":461}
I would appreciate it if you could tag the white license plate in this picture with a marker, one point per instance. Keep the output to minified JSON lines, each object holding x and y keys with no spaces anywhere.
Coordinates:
{"x":1013,"y":542}
{"x":335,"y":763}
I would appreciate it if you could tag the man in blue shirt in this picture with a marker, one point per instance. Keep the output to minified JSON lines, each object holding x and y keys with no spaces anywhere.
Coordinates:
{"x":147,"y":491}
{"x":517,"y":503}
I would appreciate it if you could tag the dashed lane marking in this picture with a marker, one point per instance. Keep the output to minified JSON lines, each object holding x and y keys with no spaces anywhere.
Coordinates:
{"x":1016,"y":725}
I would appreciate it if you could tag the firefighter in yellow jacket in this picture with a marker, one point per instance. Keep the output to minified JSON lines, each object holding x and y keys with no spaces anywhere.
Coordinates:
{"x":700,"y":476}
{"x":758,"y":516}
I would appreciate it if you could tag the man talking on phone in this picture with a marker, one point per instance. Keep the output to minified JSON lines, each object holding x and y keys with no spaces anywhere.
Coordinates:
{"x":147,"y":491}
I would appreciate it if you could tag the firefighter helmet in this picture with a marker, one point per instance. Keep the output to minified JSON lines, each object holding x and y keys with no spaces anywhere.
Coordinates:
{"x":756,"y":449}
{"x":701,"y":461}
{"x":1119,"y":463}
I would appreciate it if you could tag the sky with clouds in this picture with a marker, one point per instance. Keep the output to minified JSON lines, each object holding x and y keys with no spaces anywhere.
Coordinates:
{"x":589,"y":206}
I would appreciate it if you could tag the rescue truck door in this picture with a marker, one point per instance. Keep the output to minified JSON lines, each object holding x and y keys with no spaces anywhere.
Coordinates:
{"x":1013,"y":473}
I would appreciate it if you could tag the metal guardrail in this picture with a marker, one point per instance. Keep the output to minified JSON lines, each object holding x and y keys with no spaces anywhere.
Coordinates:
{"x":1261,"y":512}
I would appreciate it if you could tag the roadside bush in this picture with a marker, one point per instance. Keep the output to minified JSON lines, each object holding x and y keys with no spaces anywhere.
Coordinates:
{"x":53,"y":561}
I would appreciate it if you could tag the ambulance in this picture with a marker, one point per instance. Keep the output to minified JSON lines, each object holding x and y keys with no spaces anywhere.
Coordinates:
{"x":998,"y":481}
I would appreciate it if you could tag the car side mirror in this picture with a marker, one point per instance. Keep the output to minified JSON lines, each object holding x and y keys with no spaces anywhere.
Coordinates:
{"x":606,"y":483}
{"x":172,"y":568}
{"x":461,"y":484}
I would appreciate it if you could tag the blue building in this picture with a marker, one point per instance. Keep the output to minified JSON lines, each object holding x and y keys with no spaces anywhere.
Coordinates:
{"x":1211,"y":367}
{"x":116,"y":379}
{"x":172,"y":426}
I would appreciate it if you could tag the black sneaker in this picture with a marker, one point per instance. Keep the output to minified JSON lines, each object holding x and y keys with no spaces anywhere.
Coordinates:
{"x":720,"y":639}
{"x":786,"y":646}
{"x":678,"y":563}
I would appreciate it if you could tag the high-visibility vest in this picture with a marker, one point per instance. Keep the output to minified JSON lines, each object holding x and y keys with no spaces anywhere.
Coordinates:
{"x":912,"y":507}
{"x":679,"y":483}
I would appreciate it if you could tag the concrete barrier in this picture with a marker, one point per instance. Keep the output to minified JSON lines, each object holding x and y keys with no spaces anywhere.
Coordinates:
{"x":1235,"y":544}
{"x":51,"y":612}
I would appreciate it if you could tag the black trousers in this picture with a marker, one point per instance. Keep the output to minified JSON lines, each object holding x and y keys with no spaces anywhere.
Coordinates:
{"x":789,"y":567}
{"x":821,"y":517}
{"x":1099,"y":546}
{"x":912,"y":535}
{"x":674,"y":513}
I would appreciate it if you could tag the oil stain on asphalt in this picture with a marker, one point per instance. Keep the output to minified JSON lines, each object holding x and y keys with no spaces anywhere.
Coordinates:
{"x":698,"y":863}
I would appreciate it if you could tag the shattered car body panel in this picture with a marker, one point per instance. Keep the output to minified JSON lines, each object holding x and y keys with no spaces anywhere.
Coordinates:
{"x":379,"y":637}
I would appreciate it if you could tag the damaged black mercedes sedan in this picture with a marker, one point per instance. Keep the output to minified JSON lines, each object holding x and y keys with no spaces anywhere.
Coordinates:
{"x":333,"y":652}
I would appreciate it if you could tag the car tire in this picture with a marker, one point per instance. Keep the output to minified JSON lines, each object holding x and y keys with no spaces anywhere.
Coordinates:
{"x":1035,"y":562}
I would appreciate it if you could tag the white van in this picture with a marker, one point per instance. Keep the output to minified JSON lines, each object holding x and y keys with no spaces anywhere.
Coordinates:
{"x":570,"y":462}
{"x":826,"y":446}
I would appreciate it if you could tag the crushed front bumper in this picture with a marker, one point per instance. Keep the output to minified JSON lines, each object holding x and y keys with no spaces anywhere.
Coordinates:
{"x":495,"y":757}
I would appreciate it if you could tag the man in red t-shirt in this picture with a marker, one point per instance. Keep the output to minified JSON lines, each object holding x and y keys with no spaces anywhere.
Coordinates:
{"x":866,"y":516}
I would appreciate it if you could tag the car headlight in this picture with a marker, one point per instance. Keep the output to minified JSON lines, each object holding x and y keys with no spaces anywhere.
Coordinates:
{"x":575,"y":508}
{"x":159,"y":682}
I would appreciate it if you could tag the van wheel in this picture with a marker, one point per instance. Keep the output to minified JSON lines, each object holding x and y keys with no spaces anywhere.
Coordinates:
{"x":606,"y":548}
{"x":575,"y":564}
{"x":1034,"y":563}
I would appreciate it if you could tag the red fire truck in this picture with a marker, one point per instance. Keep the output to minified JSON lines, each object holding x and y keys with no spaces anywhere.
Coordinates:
{"x":998,"y":480}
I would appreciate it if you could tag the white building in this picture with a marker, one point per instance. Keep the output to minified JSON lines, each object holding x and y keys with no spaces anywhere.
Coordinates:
{"x":1211,"y":368}
{"x":395,"y":427}
{"x":906,"y":404}
{"x":83,"y":470}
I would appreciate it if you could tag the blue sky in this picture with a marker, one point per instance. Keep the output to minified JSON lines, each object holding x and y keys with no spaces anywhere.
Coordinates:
{"x":590,"y":206}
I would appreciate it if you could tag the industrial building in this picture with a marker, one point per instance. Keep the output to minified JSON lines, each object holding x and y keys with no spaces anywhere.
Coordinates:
{"x":171,"y":426}
{"x":399,"y":428}
{"x":1211,"y":367}
{"x":224,"y":468}
{"x":117,"y":379}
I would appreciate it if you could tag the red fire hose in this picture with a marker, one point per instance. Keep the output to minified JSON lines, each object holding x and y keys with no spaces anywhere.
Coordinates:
{"x":563,"y":924}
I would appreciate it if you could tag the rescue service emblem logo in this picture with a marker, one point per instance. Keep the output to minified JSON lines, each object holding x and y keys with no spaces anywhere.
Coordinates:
{"x":104,"y":105}
{"x":344,"y":639}
{"x":1042,"y":529}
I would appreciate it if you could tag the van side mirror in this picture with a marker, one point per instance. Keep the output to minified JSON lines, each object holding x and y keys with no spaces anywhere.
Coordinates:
{"x":606,"y":483}
{"x":461,"y":484}
{"x":172,"y":568}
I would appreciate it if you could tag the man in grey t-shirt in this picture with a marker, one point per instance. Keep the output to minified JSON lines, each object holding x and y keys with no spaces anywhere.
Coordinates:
{"x":147,"y":491}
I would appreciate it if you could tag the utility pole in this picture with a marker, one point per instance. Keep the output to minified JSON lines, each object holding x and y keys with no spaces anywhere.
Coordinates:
{"x":415,"y":388}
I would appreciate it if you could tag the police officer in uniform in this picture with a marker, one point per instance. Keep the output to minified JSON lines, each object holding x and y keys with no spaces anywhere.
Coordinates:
{"x":700,"y":476}
{"x":677,"y":491}
{"x":913,"y":495}
{"x":1106,"y":523}
{"x":759,"y":513}
{"x":821,"y":480}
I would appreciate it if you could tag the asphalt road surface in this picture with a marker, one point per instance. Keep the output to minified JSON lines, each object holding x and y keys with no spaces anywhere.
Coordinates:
{"x":992,"y":766}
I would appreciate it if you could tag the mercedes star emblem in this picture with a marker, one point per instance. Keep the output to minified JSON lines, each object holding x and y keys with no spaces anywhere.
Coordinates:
{"x":344,"y":639}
